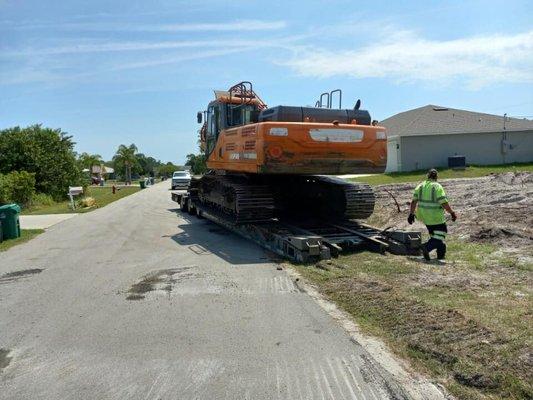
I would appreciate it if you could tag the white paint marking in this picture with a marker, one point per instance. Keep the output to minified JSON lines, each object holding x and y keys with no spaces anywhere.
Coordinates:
{"x":354,"y":378}
{"x":328,"y":387}
{"x":317,"y":379}
{"x":334,"y":375}
{"x":345,"y":377}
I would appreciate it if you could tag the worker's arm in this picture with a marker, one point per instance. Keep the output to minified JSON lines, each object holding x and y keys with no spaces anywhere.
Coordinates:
{"x":443,"y":201}
{"x":447,"y":207}
{"x":412,"y":207}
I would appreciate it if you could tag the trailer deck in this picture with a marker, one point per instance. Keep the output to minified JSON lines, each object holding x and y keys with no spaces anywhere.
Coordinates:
{"x":310,"y":240}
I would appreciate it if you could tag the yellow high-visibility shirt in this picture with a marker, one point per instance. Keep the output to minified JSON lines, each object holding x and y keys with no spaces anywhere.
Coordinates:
{"x":430,"y":196}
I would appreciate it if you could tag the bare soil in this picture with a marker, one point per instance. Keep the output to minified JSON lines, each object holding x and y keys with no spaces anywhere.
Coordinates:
{"x":496,"y":209}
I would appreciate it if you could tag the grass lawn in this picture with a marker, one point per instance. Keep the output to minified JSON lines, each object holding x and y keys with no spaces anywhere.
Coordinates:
{"x":102,"y":195}
{"x":25,"y":235}
{"x":468,"y":324}
{"x":469,"y":172}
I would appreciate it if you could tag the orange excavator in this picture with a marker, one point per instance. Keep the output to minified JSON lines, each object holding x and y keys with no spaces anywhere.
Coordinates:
{"x":266,"y":163}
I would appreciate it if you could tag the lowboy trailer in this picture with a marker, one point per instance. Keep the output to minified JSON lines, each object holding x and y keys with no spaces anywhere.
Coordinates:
{"x":305,"y":241}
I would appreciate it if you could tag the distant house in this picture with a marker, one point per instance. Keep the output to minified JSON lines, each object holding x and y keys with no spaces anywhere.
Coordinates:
{"x":425,"y":137}
{"x":102,"y":170}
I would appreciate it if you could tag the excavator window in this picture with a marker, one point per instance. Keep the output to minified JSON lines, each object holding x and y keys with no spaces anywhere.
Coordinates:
{"x":213,"y":127}
{"x":240,"y":114}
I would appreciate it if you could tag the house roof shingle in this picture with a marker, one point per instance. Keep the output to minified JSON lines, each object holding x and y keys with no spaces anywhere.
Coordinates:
{"x":437,"y":120}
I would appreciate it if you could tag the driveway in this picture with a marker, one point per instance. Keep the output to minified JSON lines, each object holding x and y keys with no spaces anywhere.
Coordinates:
{"x":136,"y":301}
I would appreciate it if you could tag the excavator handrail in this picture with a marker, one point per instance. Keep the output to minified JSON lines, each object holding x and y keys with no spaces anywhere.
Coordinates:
{"x":244,"y":91}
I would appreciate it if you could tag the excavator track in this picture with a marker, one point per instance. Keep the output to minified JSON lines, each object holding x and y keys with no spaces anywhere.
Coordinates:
{"x":237,"y":197}
{"x":326,"y":197}
{"x":246,"y":199}
{"x":359,"y":197}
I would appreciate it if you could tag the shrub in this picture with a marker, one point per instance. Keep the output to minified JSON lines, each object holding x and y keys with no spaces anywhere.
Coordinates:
{"x":5,"y":189}
{"x":42,"y":199}
{"x":48,"y":153}
{"x":87,"y":202}
{"x":17,"y":187}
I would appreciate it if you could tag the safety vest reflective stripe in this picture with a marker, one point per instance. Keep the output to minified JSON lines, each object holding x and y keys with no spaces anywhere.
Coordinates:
{"x":439,"y":235}
{"x":428,"y":204}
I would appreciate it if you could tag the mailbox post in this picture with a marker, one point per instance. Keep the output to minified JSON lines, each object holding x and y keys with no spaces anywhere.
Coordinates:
{"x":74,"y":191}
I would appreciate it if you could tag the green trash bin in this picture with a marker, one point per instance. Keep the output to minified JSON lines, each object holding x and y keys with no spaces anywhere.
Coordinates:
{"x":9,"y":215}
{"x":142,"y":184}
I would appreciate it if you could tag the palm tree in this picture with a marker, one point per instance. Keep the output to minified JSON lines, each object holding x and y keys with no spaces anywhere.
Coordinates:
{"x":125,"y":159}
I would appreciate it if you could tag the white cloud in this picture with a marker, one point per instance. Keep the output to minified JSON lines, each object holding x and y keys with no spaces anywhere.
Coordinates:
{"x":244,"y":25}
{"x":230,"y":26}
{"x":102,"y":47}
{"x":407,"y":57}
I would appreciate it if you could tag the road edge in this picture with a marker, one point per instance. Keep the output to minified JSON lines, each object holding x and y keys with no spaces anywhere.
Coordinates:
{"x":415,"y":385}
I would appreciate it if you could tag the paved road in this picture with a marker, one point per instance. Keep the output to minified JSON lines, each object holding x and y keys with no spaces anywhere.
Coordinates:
{"x":134,"y":301}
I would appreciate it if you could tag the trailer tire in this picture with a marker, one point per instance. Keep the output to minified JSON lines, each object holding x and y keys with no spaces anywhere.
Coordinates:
{"x":184,"y":205}
{"x":199,"y":214}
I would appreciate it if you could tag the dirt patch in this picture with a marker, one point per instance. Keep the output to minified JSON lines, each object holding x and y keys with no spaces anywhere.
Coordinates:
{"x":16,"y":275}
{"x":162,"y":280}
{"x":496,"y":209}
{"x":5,"y":360}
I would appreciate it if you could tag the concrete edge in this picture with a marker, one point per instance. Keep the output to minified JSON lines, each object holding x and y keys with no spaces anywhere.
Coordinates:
{"x":414,"y":384}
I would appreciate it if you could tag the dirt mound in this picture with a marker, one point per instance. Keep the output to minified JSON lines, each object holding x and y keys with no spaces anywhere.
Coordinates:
{"x":496,"y":209}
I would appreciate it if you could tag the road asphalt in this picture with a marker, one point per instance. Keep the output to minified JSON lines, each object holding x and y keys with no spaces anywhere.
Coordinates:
{"x":137,"y":301}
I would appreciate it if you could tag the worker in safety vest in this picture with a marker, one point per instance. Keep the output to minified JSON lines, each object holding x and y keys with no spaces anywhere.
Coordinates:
{"x":429,"y":201}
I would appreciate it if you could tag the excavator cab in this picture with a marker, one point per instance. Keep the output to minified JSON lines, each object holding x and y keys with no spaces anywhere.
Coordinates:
{"x":236,"y":107}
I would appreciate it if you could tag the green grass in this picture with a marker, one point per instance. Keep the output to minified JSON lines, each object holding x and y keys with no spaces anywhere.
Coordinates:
{"x":469,"y":172}
{"x":102,"y":195}
{"x":467,"y":323}
{"x":25,"y":235}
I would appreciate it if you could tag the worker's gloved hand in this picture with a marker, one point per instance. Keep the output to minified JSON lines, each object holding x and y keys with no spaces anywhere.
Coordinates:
{"x":411,"y":219}
{"x":454,"y":216}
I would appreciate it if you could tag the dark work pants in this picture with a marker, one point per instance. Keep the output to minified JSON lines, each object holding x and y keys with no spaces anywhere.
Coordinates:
{"x":438,"y":234}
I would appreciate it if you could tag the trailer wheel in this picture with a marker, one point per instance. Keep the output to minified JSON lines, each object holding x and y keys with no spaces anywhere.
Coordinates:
{"x":199,"y":214}
{"x":184,"y":204}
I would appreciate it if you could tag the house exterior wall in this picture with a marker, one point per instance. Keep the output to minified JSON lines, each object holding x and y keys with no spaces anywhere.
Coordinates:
{"x":426,"y":151}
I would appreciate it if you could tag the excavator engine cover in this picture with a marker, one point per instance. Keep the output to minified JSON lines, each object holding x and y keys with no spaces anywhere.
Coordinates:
{"x":313,"y":114}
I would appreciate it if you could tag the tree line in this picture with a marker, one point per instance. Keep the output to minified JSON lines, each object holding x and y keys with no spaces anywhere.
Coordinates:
{"x":37,"y":160}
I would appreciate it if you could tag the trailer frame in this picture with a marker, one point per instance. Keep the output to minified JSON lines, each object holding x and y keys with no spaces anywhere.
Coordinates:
{"x":312,"y":240}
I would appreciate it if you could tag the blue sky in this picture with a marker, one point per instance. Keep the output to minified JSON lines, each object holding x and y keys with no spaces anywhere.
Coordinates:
{"x":112,"y":72}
